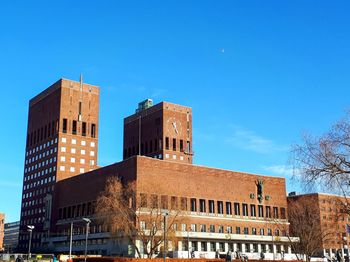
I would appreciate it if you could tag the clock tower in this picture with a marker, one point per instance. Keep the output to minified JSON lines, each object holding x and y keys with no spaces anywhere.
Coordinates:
{"x":162,"y":131}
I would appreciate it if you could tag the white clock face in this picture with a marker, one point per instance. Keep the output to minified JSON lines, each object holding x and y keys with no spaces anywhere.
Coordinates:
{"x":174,"y":126}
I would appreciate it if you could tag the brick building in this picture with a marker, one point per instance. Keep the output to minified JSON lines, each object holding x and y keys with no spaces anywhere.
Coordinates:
{"x":331,"y":220}
{"x":224,"y":210}
{"x":2,"y":231}
{"x":11,"y":233}
{"x":69,"y":109}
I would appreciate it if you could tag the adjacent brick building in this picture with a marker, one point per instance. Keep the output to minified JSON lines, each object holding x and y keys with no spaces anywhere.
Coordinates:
{"x":331,"y":219}
{"x":2,"y":227}
{"x":11,"y":233}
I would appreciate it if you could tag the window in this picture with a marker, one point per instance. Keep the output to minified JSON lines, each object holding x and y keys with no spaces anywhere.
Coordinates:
{"x":220,"y":207}
{"x":229,"y":230}
{"x":64,"y":140}
{"x":245,"y":209}
{"x":238,"y":230}
{"x":74,"y":127}
{"x":193,"y":227}
{"x":72,"y":160}
{"x":173,"y":203}
{"x":181,"y":145}
{"x":252,"y":211}
{"x":203,"y":228}
{"x":212,"y":228}
{"x":211,"y":206}
{"x":253,"y":231}
{"x":92,"y":144}
{"x":167,"y":143}
{"x":82,"y":151}
{"x":183,"y":203}
{"x":93,"y":130}
{"x":174,"y":144}
{"x":228,"y":208}
{"x":64,"y":126}
{"x":143,"y":200}
{"x":193,"y":205}
{"x":246,"y":231}
{"x":154,"y":201}
{"x":202,"y":205}
{"x":268,"y":211}
{"x":221,"y":229}
{"x":275,"y":212}
{"x":83,"y":129}
{"x":142,"y":225}
{"x":237,"y":209}
{"x":269,"y":232}
{"x":283,"y":213}
{"x":164,"y":202}
{"x":261,"y":211}
{"x":82,"y":161}
{"x":72,"y":169}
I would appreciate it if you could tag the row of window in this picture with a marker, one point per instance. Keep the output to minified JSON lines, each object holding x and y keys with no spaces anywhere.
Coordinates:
{"x":80,"y":210}
{"x":40,"y":173}
{"x":211,"y":206}
{"x":72,"y":168}
{"x":35,"y":184}
{"x":39,"y":156}
{"x":40,"y":165}
{"x":41,"y":147}
{"x":155,"y":145}
{"x":84,"y":129}
{"x":38,"y":192}
{"x":74,"y":142}
{"x":42,"y":133}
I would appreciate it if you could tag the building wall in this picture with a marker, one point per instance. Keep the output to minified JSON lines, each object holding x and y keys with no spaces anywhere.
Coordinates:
{"x":11,"y":237}
{"x":165,"y":130}
{"x":2,"y":228}
{"x":54,"y":149}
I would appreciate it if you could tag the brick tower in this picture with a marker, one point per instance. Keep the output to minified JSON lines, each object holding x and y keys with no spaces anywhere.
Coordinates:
{"x":62,"y":141}
{"x":162,"y":131}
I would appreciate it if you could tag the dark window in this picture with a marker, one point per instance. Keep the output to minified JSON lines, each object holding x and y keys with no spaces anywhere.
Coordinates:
{"x":174,"y":144}
{"x":83,"y":129}
{"x":174,"y":205}
{"x":262,"y":232}
{"x":253,"y":231}
{"x":260,"y":211}
{"x":193,"y":205}
{"x":211,"y":206}
{"x":245,"y":231}
{"x":164,"y":202}
{"x":64,"y":125}
{"x":252,"y":211}
{"x":202,"y":228}
{"x":268,"y":211}
{"x":283,"y":213}
{"x":220,"y":207}
{"x":188,"y":149}
{"x":238,"y":230}
{"x":181,"y":145}
{"x":212,"y":229}
{"x":237,"y":209}
{"x":221,"y":229}
{"x":269,"y":232}
{"x":79,"y":108}
{"x":228,"y":208}
{"x":275,"y":212}
{"x":167,"y":143}
{"x":93,"y":130}
{"x":202,"y":205}
{"x":74,"y":127}
{"x":245,"y":209}
{"x":154,"y":201}
{"x":143,"y":200}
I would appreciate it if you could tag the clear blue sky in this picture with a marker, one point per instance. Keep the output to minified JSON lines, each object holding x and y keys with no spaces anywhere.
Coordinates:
{"x":256,"y":73}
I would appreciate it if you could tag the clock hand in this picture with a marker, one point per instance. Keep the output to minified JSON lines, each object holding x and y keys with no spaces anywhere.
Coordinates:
{"x":174,"y":125}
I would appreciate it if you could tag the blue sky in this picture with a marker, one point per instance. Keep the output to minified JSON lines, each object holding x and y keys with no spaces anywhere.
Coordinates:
{"x":256,"y":73}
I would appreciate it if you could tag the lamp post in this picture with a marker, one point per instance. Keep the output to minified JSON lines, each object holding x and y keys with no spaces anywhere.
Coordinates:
{"x":188,"y":241}
{"x":165,"y":214}
{"x":30,"y":230}
{"x":88,"y":221}
{"x":70,"y":240}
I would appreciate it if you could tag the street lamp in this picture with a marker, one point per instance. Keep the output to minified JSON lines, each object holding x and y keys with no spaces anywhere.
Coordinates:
{"x":70,"y":240}
{"x":30,"y":230}
{"x":88,"y":221}
{"x":165,"y":214}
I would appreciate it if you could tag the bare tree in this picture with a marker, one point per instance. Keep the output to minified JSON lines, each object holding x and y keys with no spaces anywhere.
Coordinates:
{"x":304,"y":218}
{"x":130,"y":215}
{"x":325,"y":161}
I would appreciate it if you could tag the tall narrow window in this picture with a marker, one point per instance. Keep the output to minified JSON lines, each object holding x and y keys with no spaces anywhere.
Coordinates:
{"x":183,"y":203}
{"x":74,"y":127}
{"x":93,"y":130}
{"x":275,"y":212}
{"x":64,"y":125}
{"x":211,"y":207}
{"x":245,"y":209}
{"x":193,"y":205}
{"x":202,"y":205}
{"x":167,"y":143}
{"x":164,"y":202}
{"x":220,"y":207}
{"x":79,"y":108}
{"x":283,"y":213}
{"x":261,"y":211}
{"x":268,"y":211}
{"x":181,"y":145}
{"x":188,"y":149}
{"x":228,"y":208}
{"x":143,"y":200}
{"x":237,"y":209}
{"x":173,"y":202}
{"x":252,"y":211}
{"x":83,"y":129}
{"x":174,"y":144}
